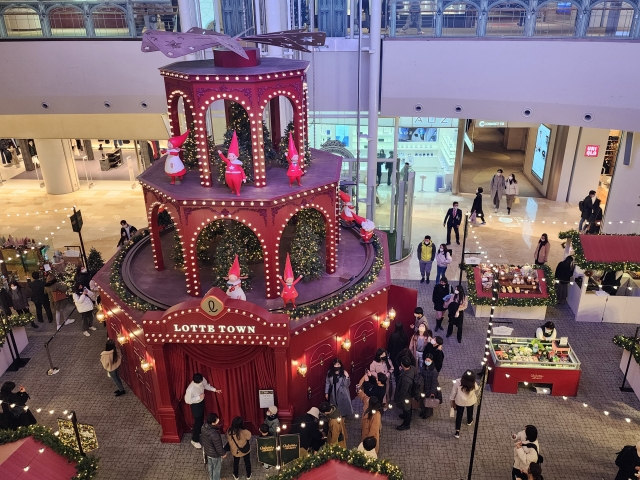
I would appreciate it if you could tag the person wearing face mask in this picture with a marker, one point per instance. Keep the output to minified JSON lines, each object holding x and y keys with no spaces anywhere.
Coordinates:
{"x":564,"y":272}
{"x":430,"y":388}
{"x":83,"y":277}
{"x":452,"y":220}
{"x":497,"y":189}
{"x":426,"y":254}
{"x":586,"y":208}
{"x":511,"y":191}
{"x":418,"y":343}
{"x":456,"y":309}
{"x":381,"y":364}
{"x":547,"y":332}
{"x":19,"y":300}
{"x":541,"y":254}
{"x":439,"y":292}
{"x":420,"y":319}
{"x":336,"y":388}
{"x":476,"y":208}
{"x":83,"y":298}
{"x":443,"y":259}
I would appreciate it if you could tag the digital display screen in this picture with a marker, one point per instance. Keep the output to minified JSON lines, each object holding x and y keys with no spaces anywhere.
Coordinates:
{"x":417,"y":134}
{"x":541,"y":151}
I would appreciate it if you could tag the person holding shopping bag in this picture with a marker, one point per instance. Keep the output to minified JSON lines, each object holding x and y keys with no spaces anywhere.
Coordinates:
{"x":511,"y":191}
{"x":464,"y":396}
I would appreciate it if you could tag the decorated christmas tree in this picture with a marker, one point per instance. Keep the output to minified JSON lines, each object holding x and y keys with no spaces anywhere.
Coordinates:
{"x":231,"y":243}
{"x":306,"y":246}
{"x":204,"y":245}
{"x":281,"y":156}
{"x":176,"y":253}
{"x":270,"y":154}
{"x":190,"y":149}
{"x":69,"y":276}
{"x":238,"y":122}
{"x":164,"y":219}
{"x":94,"y":261}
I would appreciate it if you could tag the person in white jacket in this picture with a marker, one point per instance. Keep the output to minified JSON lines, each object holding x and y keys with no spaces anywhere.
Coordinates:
{"x":83,"y":298}
{"x":443,"y":259}
{"x":524,"y":453}
{"x":511,"y":191}
{"x":464,"y":396}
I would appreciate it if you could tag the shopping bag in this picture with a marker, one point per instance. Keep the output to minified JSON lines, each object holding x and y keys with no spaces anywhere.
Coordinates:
{"x":472,"y":218}
{"x":452,"y":412}
{"x":431,"y":402}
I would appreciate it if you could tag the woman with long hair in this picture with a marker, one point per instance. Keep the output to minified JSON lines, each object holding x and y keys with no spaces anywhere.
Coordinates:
{"x":541,"y":254}
{"x":463,"y":396}
{"x":398,"y":341}
{"x":440,"y":291}
{"x":238,"y":439}
{"x":564,"y":272}
{"x":336,"y":388}
{"x":511,"y":191}
{"x":382,"y":364}
{"x":111,"y":359}
{"x":371,"y":424}
{"x":456,"y":309}
{"x":418,"y":343}
{"x":595,"y":219}
{"x":443,"y":259}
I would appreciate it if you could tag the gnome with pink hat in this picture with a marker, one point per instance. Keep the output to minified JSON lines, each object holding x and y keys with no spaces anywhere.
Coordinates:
{"x":289,"y":292}
{"x":347,"y":211}
{"x":173,"y":166}
{"x":234,"y":281}
{"x":234,"y":173}
{"x":295,"y":171}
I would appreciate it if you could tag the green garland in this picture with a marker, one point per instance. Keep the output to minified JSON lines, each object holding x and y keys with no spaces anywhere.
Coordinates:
{"x":334,"y":452}
{"x":115,"y":276}
{"x":86,"y":467}
{"x":551,"y":299}
{"x":627,"y":344}
{"x":580,"y":260}
{"x":13,"y":321}
{"x":350,"y":293}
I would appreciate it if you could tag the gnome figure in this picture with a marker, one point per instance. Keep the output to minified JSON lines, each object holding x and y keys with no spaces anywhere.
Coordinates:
{"x":173,"y":166}
{"x":295,"y":167}
{"x":289,"y":292}
{"x":234,"y":173}
{"x":234,"y":281}
{"x":346,"y":214}
{"x":366,"y":228}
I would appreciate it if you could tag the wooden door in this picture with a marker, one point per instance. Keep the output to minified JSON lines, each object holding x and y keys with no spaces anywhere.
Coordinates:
{"x":318,"y":359}
{"x":363,"y":349}
{"x":144,"y":379}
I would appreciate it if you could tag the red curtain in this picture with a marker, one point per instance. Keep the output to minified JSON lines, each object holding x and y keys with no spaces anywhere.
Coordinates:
{"x":239,"y":371}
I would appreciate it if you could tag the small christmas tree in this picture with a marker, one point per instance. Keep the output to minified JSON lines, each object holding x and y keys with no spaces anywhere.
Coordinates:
{"x":94,"y":261}
{"x":270,"y":154}
{"x":176,"y":253}
{"x":283,"y":146}
{"x":231,"y":244}
{"x":190,"y":149}
{"x":205,"y":240}
{"x":69,"y":276}
{"x":164,"y":219}
{"x":239,"y":122}
{"x":306,"y":247}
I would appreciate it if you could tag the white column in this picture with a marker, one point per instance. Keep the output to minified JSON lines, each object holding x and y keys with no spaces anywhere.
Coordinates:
{"x":187,"y":11}
{"x":374,"y":87}
{"x":586,"y":170}
{"x":58,"y":166}
{"x":276,"y":16}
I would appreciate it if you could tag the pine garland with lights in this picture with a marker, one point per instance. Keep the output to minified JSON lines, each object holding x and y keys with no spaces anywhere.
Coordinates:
{"x":579,"y":259}
{"x":628,"y":343}
{"x":348,"y":294}
{"x":115,"y":276}
{"x":306,"y":246}
{"x":283,"y":147}
{"x":190,"y":150}
{"x":69,"y":276}
{"x":335,"y":452}
{"x":94,"y":261}
{"x":86,"y":466}
{"x":13,"y":321}
{"x":233,"y":242}
{"x":549,"y":301}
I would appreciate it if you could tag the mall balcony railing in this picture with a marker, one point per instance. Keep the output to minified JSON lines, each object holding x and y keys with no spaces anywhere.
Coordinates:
{"x":84,"y":19}
{"x":521,"y":18}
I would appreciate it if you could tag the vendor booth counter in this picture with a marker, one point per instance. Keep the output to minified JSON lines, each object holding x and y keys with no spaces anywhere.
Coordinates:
{"x":515,"y":360}
{"x":20,"y":335}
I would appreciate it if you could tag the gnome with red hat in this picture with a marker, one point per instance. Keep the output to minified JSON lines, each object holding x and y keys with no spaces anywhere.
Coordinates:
{"x":234,"y":281}
{"x":366,"y":228}
{"x":347,"y":212}
{"x":289,"y":292}
{"x":173,"y":166}
{"x":295,"y":167}
{"x":234,"y":173}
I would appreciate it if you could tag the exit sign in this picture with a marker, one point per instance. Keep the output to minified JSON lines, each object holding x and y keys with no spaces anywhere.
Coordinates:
{"x":592,"y":151}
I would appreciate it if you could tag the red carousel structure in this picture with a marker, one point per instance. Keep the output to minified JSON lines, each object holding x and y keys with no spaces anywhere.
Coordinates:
{"x":170,"y":323}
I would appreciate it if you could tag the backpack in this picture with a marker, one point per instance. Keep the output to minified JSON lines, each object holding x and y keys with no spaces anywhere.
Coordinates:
{"x":581,"y":205}
{"x":417,"y":387}
{"x":540,"y":457}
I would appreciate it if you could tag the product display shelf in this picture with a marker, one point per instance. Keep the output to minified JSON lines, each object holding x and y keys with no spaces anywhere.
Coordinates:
{"x":516,"y":360}
{"x":448,"y":150}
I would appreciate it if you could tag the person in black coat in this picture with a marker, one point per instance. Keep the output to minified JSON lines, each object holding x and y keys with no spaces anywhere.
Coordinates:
{"x":628,"y":462}
{"x":405,"y":352}
{"x":595,"y":220}
{"x":477,"y":205}
{"x":311,"y":437}
{"x":5,"y":302}
{"x":430,"y":389}
{"x":439,"y":292}
{"x":403,"y":391}
{"x":13,"y":403}
{"x":587,"y":208}
{"x":452,"y":219}
{"x":398,"y":341}
{"x":126,"y":232}
{"x":39,"y":297}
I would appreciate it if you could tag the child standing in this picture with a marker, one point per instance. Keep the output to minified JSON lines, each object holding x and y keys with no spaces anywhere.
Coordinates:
{"x":271,"y":420}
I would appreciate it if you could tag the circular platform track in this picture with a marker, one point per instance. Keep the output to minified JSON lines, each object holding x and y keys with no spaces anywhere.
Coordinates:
{"x":167,"y":288}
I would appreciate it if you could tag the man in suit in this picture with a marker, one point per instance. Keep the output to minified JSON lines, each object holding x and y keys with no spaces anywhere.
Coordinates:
{"x":126,"y":232}
{"x":452,"y":219}
{"x":587,"y":208}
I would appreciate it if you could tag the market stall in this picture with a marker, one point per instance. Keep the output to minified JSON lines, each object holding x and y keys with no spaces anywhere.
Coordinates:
{"x":522,"y":291}
{"x":606,"y":281}
{"x":549,"y":365}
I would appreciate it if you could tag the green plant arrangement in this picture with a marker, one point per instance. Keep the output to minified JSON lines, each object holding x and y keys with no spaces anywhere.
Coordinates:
{"x":348,"y":294}
{"x":13,"y":321}
{"x":115,"y":276}
{"x":86,"y":467}
{"x":334,"y":452}
{"x":551,"y":299}
{"x":628,"y":344}
{"x":578,"y":257}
